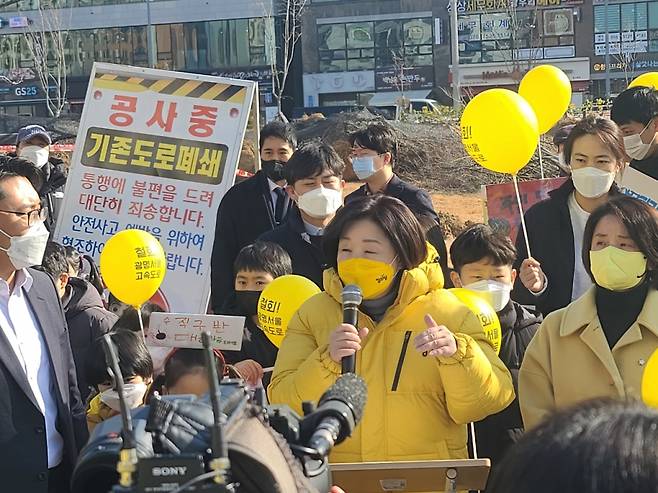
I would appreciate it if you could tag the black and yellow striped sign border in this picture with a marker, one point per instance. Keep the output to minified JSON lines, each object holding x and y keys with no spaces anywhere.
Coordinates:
{"x":175,"y":87}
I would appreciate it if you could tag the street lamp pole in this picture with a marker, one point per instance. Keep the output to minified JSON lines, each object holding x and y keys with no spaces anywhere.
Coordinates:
{"x":150,"y":37}
{"x":454,"y":46}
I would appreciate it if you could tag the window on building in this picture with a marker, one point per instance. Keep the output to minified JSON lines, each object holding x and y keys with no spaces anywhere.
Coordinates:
{"x":522,"y":35}
{"x":632,"y":28}
{"x":366,"y":45}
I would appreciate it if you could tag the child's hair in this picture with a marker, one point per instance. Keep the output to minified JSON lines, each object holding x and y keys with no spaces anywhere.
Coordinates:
{"x":478,"y":242}
{"x":129,"y":319}
{"x":134,"y":358}
{"x":186,"y":361}
{"x":263,"y":256}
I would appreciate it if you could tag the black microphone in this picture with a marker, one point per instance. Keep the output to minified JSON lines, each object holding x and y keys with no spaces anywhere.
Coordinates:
{"x":351,"y":298}
{"x":339,"y":411}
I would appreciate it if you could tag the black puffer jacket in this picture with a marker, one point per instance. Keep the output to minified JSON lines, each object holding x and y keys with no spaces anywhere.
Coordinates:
{"x":496,"y":433}
{"x":87,"y":320}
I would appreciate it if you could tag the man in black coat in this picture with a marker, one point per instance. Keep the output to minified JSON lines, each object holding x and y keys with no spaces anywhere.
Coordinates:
{"x":86,"y":317}
{"x":374,"y":151}
{"x":315,"y":182}
{"x":42,"y":421}
{"x":251,"y":208}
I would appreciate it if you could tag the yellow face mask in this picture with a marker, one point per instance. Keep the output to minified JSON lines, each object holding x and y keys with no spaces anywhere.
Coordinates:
{"x":372,"y":276}
{"x":616,"y":269}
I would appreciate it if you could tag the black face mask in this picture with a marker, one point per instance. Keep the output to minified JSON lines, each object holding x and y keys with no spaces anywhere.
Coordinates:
{"x":273,"y":170}
{"x":247,"y":302}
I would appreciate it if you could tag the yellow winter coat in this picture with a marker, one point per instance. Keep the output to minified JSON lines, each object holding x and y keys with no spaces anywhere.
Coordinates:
{"x":423,"y":417}
{"x":569,"y":360}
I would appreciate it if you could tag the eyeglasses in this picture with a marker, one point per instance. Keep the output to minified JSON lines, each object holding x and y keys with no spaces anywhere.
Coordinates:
{"x":32,"y":216}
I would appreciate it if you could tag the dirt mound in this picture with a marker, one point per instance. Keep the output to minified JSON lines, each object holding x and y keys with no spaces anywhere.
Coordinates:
{"x":430,"y":153}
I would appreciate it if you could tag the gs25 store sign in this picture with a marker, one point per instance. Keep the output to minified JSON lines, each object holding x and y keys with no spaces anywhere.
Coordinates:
{"x":22,"y":92}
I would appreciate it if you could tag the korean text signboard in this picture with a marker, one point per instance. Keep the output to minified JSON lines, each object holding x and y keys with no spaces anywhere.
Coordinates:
{"x":501,"y":208}
{"x":641,"y":186}
{"x":156,"y":151}
{"x":184,"y":330}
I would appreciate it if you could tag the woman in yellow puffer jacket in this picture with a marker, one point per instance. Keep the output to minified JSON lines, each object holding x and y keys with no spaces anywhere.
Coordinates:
{"x":428,"y":366}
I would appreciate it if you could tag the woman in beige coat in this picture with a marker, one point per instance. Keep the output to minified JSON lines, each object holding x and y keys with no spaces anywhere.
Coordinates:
{"x":598,"y":346}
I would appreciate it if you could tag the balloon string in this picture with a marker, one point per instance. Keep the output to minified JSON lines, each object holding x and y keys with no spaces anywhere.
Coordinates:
{"x":523,"y":227}
{"x":141,"y":320}
{"x":541,"y":160}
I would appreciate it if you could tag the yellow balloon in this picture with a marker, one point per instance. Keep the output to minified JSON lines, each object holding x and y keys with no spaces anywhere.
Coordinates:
{"x":650,"y":381}
{"x":133,"y":266}
{"x":484,"y":312}
{"x":279,"y":301}
{"x":548,"y":91}
{"x":647,"y":79}
{"x":499,"y":130}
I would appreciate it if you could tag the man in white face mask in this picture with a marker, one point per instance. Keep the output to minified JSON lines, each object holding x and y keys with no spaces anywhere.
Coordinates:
{"x":483,"y":260}
{"x":42,"y":413}
{"x":33,"y":144}
{"x":636,"y":112}
{"x":315,"y":182}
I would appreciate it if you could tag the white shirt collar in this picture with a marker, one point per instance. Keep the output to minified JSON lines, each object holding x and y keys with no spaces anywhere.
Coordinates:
{"x":312,"y":230}
{"x":273,"y":185}
{"x":23,"y":280}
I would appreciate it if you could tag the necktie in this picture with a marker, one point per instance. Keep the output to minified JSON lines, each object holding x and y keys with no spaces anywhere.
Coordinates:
{"x":279,"y":207}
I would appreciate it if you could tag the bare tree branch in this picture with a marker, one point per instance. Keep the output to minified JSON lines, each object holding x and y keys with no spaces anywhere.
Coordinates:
{"x":291,"y":13}
{"x":46,"y":43}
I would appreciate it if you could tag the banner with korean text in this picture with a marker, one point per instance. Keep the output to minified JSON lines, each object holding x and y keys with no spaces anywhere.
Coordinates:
{"x":156,"y":150}
{"x":641,"y":186}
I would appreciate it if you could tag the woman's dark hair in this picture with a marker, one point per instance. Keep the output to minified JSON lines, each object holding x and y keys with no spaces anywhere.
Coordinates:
{"x":134,"y":357}
{"x":378,"y":137}
{"x":311,"y":160}
{"x":636,"y":104}
{"x":85,"y":268}
{"x":640,"y":220}
{"x":601,"y":446}
{"x":263,"y":256}
{"x":396,"y":220}
{"x":478,"y":242}
{"x":278,"y":130}
{"x":129,"y":319}
{"x":604,"y":129}
{"x":186,"y":361}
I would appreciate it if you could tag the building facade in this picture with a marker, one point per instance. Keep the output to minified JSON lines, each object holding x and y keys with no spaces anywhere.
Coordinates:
{"x":221,"y":37}
{"x":358,"y":50}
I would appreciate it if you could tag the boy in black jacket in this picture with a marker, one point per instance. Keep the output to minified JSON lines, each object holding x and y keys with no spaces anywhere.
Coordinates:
{"x":255,"y":267}
{"x":483,"y":260}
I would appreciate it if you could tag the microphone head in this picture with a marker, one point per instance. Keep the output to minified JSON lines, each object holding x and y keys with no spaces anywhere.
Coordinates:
{"x":352,"y":295}
{"x":350,"y":389}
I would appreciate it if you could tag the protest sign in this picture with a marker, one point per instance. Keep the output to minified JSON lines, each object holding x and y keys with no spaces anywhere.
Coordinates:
{"x":640,"y":186}
{"x":184,"y":330}
{"x":156,"y":151}
{"x":500,"y":205}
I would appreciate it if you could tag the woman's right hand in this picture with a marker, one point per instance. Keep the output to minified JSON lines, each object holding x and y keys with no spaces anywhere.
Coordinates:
{"x":345,"y":341}
{"x":532,"y":277}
